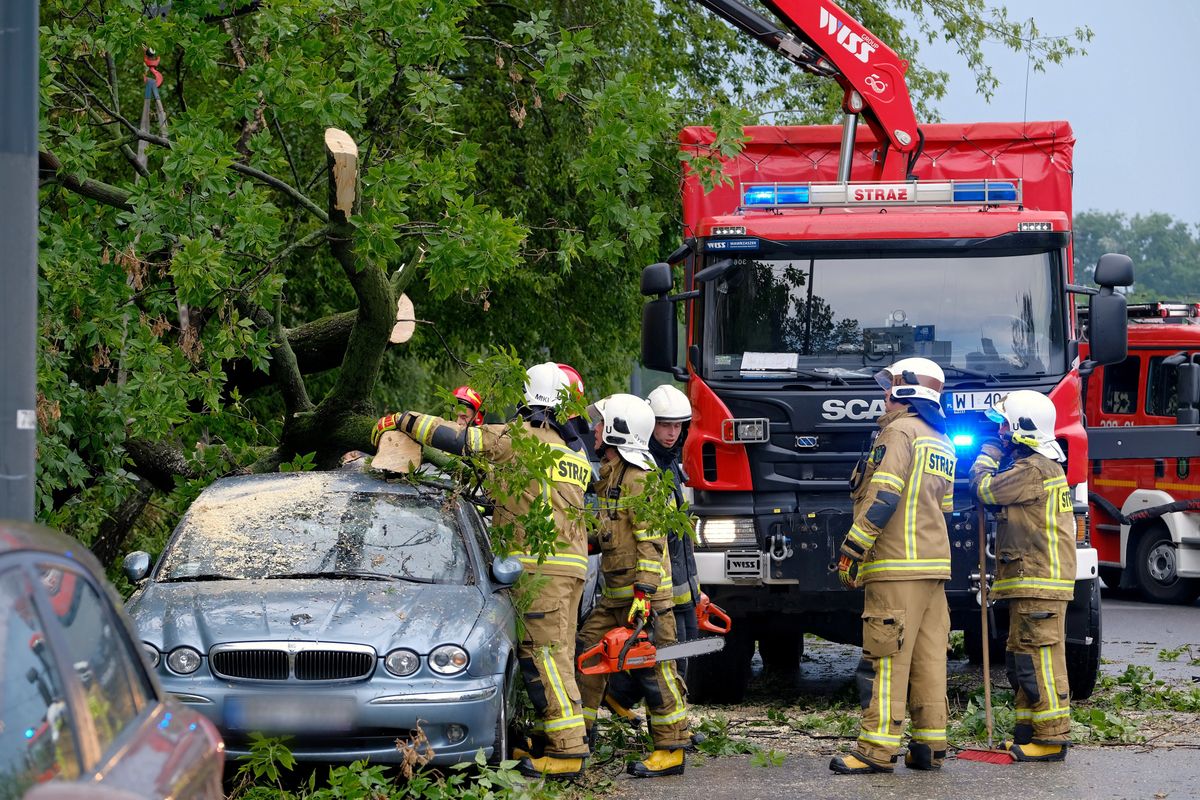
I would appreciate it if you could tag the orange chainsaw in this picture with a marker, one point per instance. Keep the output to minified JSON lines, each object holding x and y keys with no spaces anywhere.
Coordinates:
{"x":707,"y":611}
{"x":632,"y":648}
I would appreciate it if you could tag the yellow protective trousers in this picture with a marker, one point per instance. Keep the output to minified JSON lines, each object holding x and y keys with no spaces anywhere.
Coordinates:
{"x":547,"y":658}
{"x":906,"y":629}
{"x":1037,"y":669}
{"x":660,"y":684}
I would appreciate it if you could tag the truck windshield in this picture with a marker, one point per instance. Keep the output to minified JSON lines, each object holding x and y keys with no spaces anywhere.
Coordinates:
{"x":847,"y":317}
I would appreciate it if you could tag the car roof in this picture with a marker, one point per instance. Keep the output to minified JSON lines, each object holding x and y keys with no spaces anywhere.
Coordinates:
{"x":30,"y":537}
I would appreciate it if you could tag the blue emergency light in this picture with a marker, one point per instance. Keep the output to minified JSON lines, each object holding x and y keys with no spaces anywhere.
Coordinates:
{"x":777,"y":195}
{"x":985,"y":192}
{"x":963,"y":440}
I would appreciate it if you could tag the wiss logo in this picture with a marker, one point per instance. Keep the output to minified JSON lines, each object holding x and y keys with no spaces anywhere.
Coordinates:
{"x":857,"y":409}
{"x":854,"y":44}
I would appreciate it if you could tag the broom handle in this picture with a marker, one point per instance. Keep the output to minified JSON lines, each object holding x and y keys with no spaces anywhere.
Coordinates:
{"x":983,"y":621}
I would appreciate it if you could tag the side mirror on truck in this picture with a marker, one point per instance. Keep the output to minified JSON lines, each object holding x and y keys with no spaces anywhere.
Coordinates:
{"x":1108,"y":320}
{"x":1188,"y":393}
{"x":660,"y":336}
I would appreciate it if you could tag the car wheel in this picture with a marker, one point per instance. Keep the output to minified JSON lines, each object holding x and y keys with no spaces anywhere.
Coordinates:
{"x":501,"y":744}
{"x":1157,"y":569}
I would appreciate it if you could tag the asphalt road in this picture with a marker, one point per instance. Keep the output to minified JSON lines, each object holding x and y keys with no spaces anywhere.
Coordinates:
{"x":1134,"y":634}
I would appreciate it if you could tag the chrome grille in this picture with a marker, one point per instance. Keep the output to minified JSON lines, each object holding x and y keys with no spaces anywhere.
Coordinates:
{"x":259,"y":665}
{"x":332,"y":665}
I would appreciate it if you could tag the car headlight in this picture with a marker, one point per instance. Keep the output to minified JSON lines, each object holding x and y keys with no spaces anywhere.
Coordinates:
{"x":152,"y":654}
{"x":449,"y":659}
{"x":183,"y":660}
{"x":402,"y":663}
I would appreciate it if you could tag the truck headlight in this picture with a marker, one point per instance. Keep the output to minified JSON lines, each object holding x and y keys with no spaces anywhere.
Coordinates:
{"x":726,"y":532}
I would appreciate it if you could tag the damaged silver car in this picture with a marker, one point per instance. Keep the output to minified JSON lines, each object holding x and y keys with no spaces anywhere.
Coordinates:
{"x":337,"y":609}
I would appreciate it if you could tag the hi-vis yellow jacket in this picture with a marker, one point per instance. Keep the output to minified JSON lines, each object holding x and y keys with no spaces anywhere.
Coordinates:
{"x":1035,"y":539}
{"x":562,"y":487}
{"x":906,"y":487}
{"x":630,"y":553}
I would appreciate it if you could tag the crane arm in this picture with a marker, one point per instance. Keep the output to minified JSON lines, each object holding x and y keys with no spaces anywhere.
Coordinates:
{"x":824,"y":40}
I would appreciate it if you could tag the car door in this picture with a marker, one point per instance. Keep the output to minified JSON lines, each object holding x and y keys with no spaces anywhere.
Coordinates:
{"x":141,"y":744}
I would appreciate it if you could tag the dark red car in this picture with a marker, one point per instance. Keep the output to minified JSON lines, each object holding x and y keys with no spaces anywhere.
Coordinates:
{"x":77,"y":703}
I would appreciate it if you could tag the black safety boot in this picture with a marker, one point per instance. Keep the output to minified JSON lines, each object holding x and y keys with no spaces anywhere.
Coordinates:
{"x":922,"y":756}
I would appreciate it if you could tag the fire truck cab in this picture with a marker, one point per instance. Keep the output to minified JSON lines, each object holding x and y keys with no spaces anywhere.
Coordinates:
{"x":1144,"y":445}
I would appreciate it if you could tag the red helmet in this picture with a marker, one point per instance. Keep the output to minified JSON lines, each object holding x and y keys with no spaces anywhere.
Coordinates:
{"x":573,"y":379}
{"x":470,"y":398}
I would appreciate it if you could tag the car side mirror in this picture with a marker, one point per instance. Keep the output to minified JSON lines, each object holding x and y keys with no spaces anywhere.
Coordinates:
{"x":505,"y":571}
{"x":136,"y":566}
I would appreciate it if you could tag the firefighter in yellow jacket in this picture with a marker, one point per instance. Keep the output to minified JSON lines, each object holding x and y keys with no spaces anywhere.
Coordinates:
{"x":637,"y":580}
{"x":899,"y":550}
{"x":1035,"y":565}
{"x":546,"y":652}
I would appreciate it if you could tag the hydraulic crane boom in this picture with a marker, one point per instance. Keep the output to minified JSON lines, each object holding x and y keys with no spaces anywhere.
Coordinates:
{"x":825,"y":40}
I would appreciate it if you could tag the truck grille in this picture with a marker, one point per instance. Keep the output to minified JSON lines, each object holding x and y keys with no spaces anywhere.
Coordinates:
{"x":292,"y":661}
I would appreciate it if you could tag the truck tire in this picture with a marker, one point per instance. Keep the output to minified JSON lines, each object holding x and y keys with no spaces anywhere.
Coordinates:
{"x":1156,"y":569}
{"x":782,"y":650}
{"x":1083,"y":660}
{"x":721,"y":678}
{"x":1112,"y":579}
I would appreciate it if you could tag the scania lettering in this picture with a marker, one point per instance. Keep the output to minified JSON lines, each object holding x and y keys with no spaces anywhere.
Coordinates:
{"x":855,"y":248}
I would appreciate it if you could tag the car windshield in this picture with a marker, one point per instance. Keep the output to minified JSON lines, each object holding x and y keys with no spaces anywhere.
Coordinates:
{"x":848,"y":317}
{"x":301,"y":531}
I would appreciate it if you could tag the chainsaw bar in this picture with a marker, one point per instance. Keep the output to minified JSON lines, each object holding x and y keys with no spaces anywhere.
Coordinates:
{"x":674,"y":652}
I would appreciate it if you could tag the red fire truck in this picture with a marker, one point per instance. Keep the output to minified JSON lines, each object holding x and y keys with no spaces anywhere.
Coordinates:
{"x":827,"y":256}
{"x":1144,"y":432}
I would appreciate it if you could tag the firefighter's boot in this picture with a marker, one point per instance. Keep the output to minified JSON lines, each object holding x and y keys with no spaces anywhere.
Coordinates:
{"x":559,"y":769}
{"x":922,"y":756}
{"x":1039,"y":752}
{"x":1022,"y":734}
{"x":532,"y":747}
{"x":659,"y":764}
{"x":853,"y":765}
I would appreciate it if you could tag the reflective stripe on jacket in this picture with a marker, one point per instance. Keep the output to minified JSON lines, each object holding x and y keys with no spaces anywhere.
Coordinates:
{"x":1035,"y":536}
{"x":907,"y":488}
{"x":562,"y":487}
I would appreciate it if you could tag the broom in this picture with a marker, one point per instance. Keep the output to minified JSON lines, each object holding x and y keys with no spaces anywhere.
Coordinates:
{"x":990,"y":755}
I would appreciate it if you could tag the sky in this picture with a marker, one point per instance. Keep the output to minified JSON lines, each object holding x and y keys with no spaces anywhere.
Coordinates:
{"x":1133,"y":100}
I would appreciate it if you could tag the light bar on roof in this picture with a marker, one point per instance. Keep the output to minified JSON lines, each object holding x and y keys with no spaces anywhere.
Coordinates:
{"x":806,"y":195}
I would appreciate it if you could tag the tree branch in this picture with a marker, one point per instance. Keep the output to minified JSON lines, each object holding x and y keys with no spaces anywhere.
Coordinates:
{"x":158,"y":462}
{"x":285,"y":373}
{"x":110,"y":539}
{"x":96,"y":190}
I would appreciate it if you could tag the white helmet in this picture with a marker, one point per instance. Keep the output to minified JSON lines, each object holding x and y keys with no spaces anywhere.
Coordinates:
{"x":913,"y":379}
{"x":628,"y":425}
{"x":1031,"y":417}
{"x":543,"y":383}
{"x":669,"y":404}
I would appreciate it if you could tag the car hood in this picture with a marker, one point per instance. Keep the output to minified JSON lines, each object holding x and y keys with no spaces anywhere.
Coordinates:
{"x":382,"y":615}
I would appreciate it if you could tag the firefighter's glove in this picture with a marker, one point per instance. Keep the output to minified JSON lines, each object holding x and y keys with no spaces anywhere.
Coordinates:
{"x":640,"y":607}
{"x":848,"y":571}
{"x":384,"y":425}
{"x":992,"y":446}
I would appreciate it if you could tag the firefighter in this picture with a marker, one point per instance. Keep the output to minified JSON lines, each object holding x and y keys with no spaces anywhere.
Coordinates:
{"x":470,"y":407}
{"x":1021,"y":473}
{"x":898,"y":549}
{"x":672,"y":413}
{"x":545,"y":654}
{"x":637,"y":580}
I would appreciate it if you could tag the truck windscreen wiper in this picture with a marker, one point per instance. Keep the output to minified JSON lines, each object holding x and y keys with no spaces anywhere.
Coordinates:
{"x":974,"y":373}
{"x":342,"y":574}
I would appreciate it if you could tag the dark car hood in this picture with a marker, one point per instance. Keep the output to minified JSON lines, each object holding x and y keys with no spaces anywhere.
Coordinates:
{"x":380,"y":614}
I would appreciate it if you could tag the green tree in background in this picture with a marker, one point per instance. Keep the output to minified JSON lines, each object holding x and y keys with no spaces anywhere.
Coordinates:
{"x":201,"y":310}
{"x":1165,"y":252}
